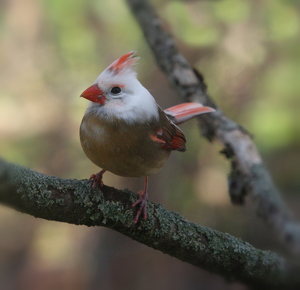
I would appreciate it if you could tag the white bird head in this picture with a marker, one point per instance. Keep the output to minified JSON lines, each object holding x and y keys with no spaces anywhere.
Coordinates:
{"x":117,"y":93}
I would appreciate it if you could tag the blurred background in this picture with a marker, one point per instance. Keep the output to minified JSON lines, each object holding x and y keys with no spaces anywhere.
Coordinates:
{"x":52,"y":50}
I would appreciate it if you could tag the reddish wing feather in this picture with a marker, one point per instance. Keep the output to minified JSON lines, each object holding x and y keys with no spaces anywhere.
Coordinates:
{"x":170,"y":138}
{"x":186,"y":111}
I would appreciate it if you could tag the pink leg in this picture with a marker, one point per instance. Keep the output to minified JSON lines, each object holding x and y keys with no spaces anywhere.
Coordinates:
{"x":142,"y":200}
{"x":97,"y":178}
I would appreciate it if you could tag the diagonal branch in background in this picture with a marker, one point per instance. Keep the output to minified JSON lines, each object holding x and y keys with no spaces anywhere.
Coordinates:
{"x":248,"y":175}
{"x":73,"y":201}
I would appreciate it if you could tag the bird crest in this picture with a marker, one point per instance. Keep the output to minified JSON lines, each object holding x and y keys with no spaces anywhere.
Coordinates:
{"x":124,"y":64}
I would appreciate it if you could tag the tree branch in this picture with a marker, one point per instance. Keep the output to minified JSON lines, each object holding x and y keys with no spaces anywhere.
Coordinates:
{"x":248,"y":174}
{"x":73,"y":201}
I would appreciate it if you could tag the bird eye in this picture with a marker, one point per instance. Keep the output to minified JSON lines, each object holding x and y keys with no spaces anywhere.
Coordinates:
{"x":115,"y":90}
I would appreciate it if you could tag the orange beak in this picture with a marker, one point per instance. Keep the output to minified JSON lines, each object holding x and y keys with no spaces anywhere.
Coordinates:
{"x":94,"y":94}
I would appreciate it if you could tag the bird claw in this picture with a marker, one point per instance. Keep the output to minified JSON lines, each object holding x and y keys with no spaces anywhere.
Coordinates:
{"x":142,"y":201}
{"x":97,"y":179}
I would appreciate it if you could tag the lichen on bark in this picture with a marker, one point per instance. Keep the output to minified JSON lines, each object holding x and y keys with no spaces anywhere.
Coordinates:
{"x":74,"y":201}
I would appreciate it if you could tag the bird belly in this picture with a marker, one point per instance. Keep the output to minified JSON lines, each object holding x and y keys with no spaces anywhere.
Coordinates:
{"x":126,"y":152}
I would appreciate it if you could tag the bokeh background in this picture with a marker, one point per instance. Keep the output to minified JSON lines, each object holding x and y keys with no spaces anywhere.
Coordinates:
{"x":51,"y":50}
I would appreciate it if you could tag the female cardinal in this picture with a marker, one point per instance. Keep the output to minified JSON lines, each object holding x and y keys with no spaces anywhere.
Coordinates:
{"x":125,"y":132}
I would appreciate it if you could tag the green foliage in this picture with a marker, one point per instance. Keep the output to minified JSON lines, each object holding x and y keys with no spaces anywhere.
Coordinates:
{"x":231,"y":11}
{"x":275,"y":117}
{"x":282,"y":20}
{"x":70,"y":30}
{"x":187,"y":24}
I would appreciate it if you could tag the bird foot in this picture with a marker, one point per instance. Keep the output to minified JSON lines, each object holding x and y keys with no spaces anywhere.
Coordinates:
{"x":142,"y":201}
{"x":97,"y":179}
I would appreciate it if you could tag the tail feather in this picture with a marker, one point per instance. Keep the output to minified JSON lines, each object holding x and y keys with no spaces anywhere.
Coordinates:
{"x":186,"y":111}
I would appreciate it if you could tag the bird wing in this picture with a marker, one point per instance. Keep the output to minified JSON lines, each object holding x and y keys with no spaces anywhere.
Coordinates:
{"x":170,"y":137}
{"x":186,"y":111}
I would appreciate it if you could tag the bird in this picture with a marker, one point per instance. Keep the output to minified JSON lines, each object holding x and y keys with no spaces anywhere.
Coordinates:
{"x":125,"y":131}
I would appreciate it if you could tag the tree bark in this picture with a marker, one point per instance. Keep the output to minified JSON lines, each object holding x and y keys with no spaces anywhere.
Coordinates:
{"x":74,"y":201}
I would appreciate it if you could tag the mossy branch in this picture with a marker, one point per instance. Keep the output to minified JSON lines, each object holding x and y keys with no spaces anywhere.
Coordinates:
{"x":73,"y":201}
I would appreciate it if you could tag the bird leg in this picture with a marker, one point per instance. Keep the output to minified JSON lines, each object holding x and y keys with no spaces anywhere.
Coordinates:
{"x":142,"y":201}
{"x":97,"y":178}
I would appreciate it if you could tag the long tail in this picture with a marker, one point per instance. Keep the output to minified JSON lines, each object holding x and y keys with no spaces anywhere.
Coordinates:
{"x":186,"y":111}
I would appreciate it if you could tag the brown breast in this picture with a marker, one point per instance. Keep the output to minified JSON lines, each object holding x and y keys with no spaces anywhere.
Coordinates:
{"x":125,"y":150}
